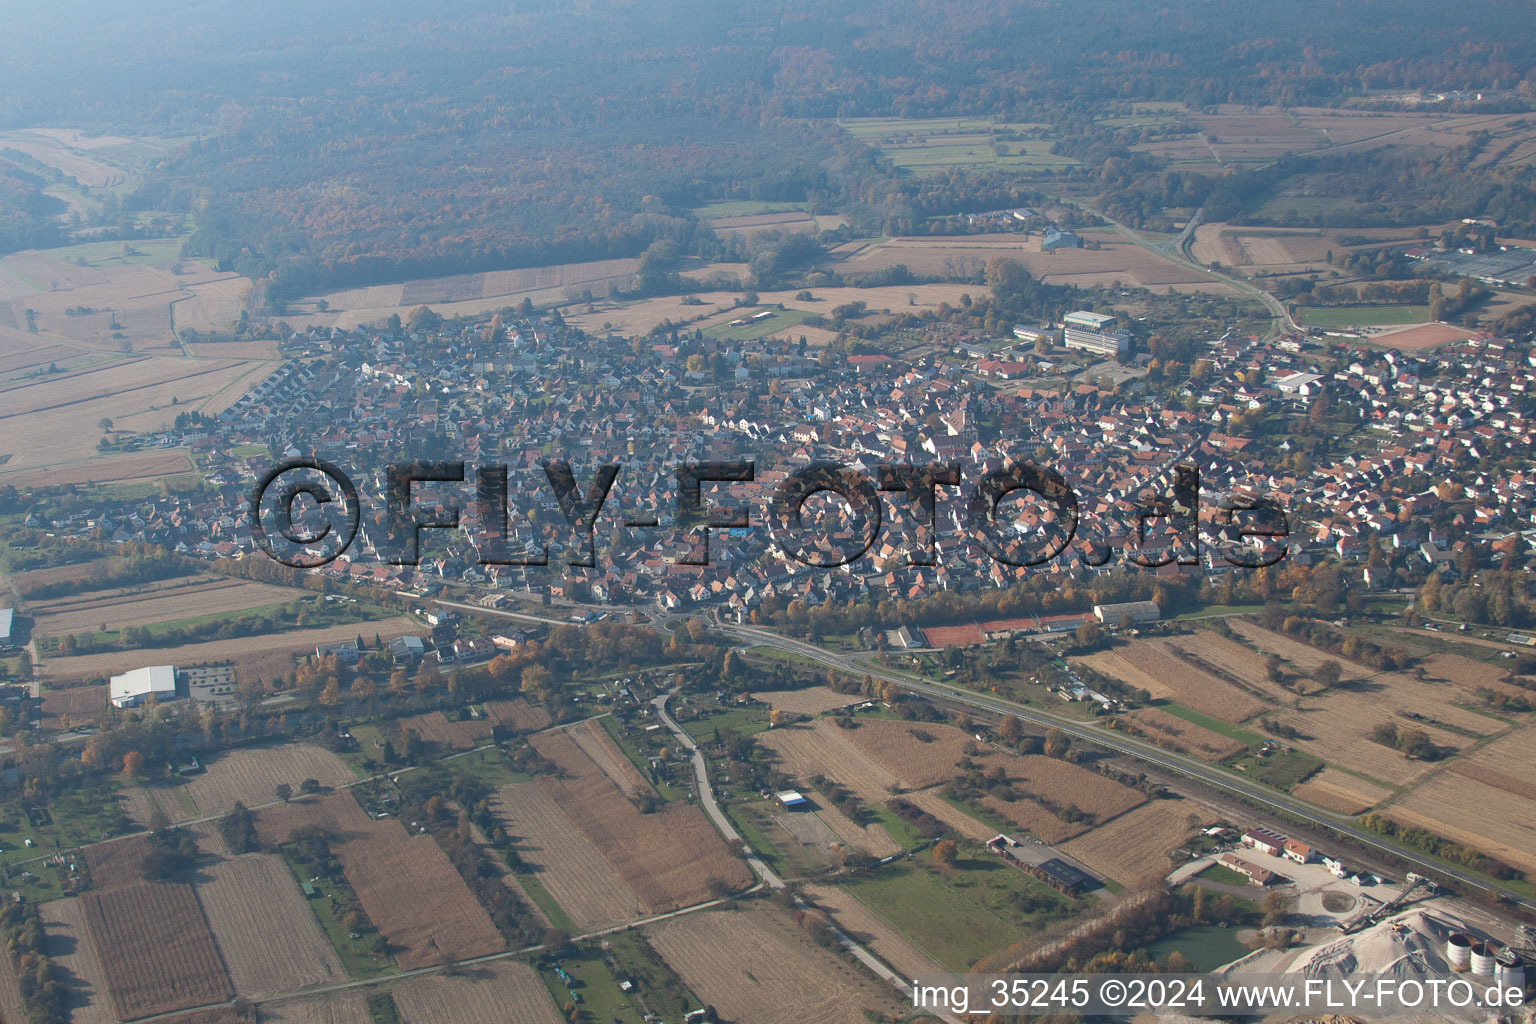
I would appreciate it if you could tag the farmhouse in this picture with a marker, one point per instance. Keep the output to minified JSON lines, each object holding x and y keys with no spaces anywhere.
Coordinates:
{"x":1264,"y":841}
{"x":131,"y":689}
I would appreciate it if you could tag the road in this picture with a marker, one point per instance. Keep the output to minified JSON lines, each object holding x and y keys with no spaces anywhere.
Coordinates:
{"x":767,"y":874}
{"x":1128,"y":746}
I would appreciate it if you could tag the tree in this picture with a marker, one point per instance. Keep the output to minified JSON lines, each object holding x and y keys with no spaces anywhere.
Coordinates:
{"x":283,"y":791}
{"x":1328,"y":673}
{"x":1010,"y":729}
{"x":1057,"y":743}
{"x":945,"y":852}
{"x":1277,"y":906}
{"x":133,"y":765}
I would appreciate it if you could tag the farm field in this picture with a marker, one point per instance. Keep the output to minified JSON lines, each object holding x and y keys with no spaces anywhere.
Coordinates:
{"x":1342,"y":792}
{"x":819,"y":747}
{"x":347,"y":1007}
{"x":1474,"y":813}
{"x":872,"y":931}
{"x":116,"y":863}
{"x":380,"y":859}
{"x":756,"y":967}
{"x":164,"y":601}
{"x":436,"y":727}
{"x":1303,"y":658}
{"x":463,"y":294}
{"x":1336,"y":727}
{"x":269,"y":938}
{"x":518,"y":715}
{"x":69,"y":946}
{"x":1149,"y":665}
{"x":483,"y":994}
{"x":88,"y":666}
{"x":871,"y":839}
{"x":79,"y":704}
{"x":250,"y":775}
{"x":1133,"y":848}
{"x":932,"y":144}
{"x":156,"y":950}
{"x":1116,"y":260}
{"x":598,"y":745}
{"x":1171,"y":732}
{"x":669,"y":858}
{"x":813,"y":700}
{"x":568,"y":866}
{"x":1230,"y":661}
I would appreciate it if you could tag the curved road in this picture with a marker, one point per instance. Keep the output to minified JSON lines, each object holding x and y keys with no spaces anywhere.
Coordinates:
{"x":1128,"y":746}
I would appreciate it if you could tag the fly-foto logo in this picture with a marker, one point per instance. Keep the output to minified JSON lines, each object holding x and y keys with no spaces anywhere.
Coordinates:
{"x":1255,"y":532}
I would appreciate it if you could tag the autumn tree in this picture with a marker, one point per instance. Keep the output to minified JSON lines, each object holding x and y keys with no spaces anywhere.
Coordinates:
{"x":945,"y":852}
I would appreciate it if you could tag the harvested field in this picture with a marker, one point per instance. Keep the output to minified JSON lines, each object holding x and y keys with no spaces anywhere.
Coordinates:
{"x":871,"y":839}
{"x":1173,"y":733}
{"x":595,"y":742}
{"x":117,"y":862}
{"x":757,"y":967}
{"x":1133,"y":848}
{"x":1509,"y":754}
{"x":250,"y":775}
{"x":1342,"y":792}
{"x":813,"y":700}
{"x":502,"y":991}
{"x":1423,"y":336}
{"x":443,"y":920}
{"x":517,"y":715}
{"x":821,"y":747}
{"x":1148,"y":665}
{"x":1468,"y":674}
{"x":78,"y":703}
{"x":1473,"y":813}
{"x":1036,"y":819}
{"x":920,"y":755}
{"x":436,"y":727}
{"x":142,"y":606}
{"x":1231,"y":662}
{"x":70,"y":948}
{"x":269,"y":938}
{"x":11,"y":1006}
{"x":34,"y":579}
{"x":670,"y":858}
{"x":1117,"y":259}
{"x":963,"y":824}
{"x":868,"y":929}
{"x":584,"y":885}
{"x":1302,"y":656}
{"x":107,"y":469}
{"x":346,"y":1007}
{"x":1336,"y":728}
{"x":87,"y":666}
{"x":157,"y":952}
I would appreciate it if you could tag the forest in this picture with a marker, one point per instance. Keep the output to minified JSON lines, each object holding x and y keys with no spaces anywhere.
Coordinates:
{"x":346,"y":144}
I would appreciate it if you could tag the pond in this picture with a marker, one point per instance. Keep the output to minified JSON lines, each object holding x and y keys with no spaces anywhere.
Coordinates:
{"x":1207,"y":947}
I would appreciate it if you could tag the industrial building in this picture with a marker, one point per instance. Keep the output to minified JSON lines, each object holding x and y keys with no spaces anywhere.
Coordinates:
{"x":131,"y":689}
{"x":1136,"y":611}
{"x":7,"y":624}
{"x":1264,"y":841}
{"x":1255,"y":874}
{"x":793,"y":800}
{"x":1094,"y":332}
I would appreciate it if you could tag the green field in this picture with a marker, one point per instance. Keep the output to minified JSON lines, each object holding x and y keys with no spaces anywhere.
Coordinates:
{"x":962,"y":915}
{"x":1222,"y":875}
{"x":1355,"y":316}
{"x":927,"y":145}
{"x":356,"y":955}
{"x":781,"y":319}
{"x":745,"y":207}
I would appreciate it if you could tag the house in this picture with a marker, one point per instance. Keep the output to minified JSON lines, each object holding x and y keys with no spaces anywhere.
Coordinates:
{"x":1255,"y":874}
{"x":406,"y":650}
{"x":1299,"y":852}
{"x":346,"y":651}
{"x":1264,"y":841}
{"x":131,"y":689}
